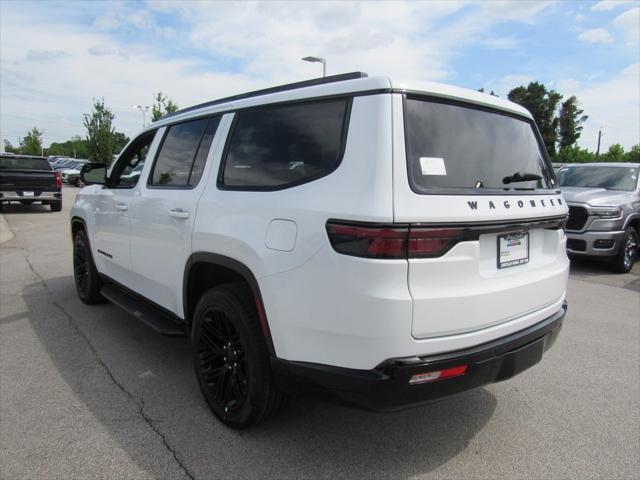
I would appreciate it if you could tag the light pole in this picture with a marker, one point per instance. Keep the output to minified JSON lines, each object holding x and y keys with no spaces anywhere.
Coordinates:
{"x":144,"y":109}
{"x":323,"y":61}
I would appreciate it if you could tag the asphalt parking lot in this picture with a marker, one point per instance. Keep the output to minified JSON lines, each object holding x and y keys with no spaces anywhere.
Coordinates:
{"x":88,"y":392}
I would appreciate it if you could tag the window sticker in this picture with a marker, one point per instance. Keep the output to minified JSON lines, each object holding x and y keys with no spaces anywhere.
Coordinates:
{"x":432,"y":166}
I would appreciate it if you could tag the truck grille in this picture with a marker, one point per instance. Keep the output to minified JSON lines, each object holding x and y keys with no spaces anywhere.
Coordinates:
{"x":577,"y":218}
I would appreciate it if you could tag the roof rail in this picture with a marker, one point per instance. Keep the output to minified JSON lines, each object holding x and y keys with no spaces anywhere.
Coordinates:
{"x":265,"y":91}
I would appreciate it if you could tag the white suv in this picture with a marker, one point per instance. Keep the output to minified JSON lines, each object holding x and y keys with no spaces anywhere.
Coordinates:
{"x":346,"y":236}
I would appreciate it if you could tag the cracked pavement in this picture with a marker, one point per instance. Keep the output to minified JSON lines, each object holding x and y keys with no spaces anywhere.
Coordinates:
{"x":88,"y":392}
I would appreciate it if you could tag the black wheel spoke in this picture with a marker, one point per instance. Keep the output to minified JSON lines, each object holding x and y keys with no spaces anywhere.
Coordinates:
{"x":222,"y":360}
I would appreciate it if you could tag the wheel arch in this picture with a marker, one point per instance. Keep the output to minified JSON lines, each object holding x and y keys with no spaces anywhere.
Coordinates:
{"x":78,"y":223}
{"x":633,"y":221}
{"x":217,"y":270}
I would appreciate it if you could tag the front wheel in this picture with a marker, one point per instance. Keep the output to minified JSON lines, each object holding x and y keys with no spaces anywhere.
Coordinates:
{"x":626,"y":257}
{"x":231,"y":358}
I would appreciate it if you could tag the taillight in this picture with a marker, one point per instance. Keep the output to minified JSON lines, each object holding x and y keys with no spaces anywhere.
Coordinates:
{"x":392,"y":241}
{"x":368,"y":241}
{"x":58,"y":180}
{"x":432,"y":242}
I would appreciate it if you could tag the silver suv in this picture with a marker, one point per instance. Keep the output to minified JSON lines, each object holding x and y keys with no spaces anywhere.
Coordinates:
{"x":604,"y":211}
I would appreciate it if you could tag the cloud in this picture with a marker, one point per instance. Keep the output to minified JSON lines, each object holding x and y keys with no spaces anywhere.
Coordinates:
{"x":101,"y":50}
{"x":596,"y":35}
{"x":501,"y":43}
{"x":613,"y":106}
{"x":45,"y":55}
{"x":628,"y":23}
{"x":607,"y":5}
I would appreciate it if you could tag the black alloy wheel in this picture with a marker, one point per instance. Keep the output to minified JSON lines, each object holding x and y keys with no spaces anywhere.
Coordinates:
{"x":231,"y":358}
{"x":224,"y":367}
{"x":626,"y":257}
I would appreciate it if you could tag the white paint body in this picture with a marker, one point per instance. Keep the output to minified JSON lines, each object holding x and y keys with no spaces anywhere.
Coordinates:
{"x":322,"y":306}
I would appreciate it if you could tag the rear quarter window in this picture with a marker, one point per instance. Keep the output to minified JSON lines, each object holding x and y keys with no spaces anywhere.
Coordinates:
{"x":275,"y":147}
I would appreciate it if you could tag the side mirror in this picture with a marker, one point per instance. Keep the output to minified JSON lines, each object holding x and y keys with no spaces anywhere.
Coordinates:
{"x":94,"y":173}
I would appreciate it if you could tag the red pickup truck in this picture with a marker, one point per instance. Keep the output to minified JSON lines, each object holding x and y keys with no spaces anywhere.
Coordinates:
{"x":29,"y":179}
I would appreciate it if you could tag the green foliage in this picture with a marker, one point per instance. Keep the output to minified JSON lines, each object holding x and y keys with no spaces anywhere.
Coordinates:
{"x":570,"y":122}
{"x":492,"y":93}
{"x":31,"y":143}
{"x":634,"y":154}
{"x":76,"y":147}
{"x":119,"y":141}
{"x":162,"y":105}
{"x":100,"y":133}
{"x":615,"y":154}
{"x":575,"y":154}
{"x":542,"y":104}
{"x":9,"y":148}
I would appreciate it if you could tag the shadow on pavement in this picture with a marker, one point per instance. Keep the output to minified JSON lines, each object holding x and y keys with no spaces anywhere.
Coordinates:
{"x":11,"y":208}
{"x":308,"y":439}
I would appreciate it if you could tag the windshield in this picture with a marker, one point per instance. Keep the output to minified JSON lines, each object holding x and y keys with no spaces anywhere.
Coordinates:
{"x":609,"y":178}
{"x":456,"y":147}
{"x":7,"y":163}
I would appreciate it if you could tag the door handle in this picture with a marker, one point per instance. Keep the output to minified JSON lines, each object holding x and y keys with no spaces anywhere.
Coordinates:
{"x":179,"y":213}
{"x":121,"y":206}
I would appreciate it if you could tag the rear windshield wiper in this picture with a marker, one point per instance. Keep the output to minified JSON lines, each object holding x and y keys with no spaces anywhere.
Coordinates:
{"x":521,"y":177}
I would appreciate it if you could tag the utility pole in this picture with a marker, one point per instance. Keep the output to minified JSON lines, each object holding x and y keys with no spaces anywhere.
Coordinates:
{"x":599,"y":138}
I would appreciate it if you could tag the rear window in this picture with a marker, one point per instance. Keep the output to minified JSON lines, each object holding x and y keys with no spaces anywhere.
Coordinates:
{"x":453,"y":148}
{"x":276,"y":147}
{"x":8,"y":163}
{"x":609,"y":178}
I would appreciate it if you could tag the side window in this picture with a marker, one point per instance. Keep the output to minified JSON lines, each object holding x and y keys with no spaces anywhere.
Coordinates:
{"x":277,"y":146}
{"x":183,"y":153}
{"x":126,"y":172}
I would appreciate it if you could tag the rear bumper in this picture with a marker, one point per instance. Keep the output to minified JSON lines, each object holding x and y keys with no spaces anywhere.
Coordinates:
{"x":38,"y":196}
{"x":584,"y":243}
{"x":387,"y":387}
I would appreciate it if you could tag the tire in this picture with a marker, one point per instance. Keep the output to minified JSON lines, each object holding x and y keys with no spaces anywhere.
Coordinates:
{"x":55,"y":206}
{"x":231,"y":358}
{"x":87,"y":280}
{"x":628,"y":253}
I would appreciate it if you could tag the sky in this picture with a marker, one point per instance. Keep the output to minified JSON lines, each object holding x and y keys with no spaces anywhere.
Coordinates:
{"x":56,"y":57}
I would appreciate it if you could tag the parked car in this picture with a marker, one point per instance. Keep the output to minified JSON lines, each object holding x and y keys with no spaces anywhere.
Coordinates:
{"x":381,"y":244}
{"x":604,"y":211}
{"x":29,"y":179}
{"x":71,"y":173}
{"x":62,"y":163}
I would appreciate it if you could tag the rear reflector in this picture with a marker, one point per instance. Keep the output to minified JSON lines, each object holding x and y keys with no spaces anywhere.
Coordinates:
{"x":392,"y":241}
{"x":438,"y":375}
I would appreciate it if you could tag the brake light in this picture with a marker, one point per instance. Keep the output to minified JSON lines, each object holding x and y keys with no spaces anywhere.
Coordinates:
{"x":58,"y":180}
{"x":392,"y":241}
{"x":438,"y":375}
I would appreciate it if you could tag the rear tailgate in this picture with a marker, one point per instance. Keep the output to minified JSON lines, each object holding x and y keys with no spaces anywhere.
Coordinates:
{"x":32,"y":180}
{"x":466,"y":288}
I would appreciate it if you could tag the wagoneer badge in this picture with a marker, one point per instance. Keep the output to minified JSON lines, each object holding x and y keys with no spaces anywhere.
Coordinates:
{"x":532,"y":203}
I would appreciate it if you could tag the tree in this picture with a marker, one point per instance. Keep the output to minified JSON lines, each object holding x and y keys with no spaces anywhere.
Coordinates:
{"x":615,"y":154}
{"x":570,"y":122}
{"x":31,"y":143}
{"x":119,"y":141}
{"x":542,"y":104}
{"x":100,"y":133}
{"x":9,"y":148}
{"x":162,"y":106}
{"x":575,"y":154}
{"x":634,"y":154}
{"x":76,"y":147}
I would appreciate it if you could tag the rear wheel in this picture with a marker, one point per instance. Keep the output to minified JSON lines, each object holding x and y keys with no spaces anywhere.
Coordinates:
{"x":231,"y":358}
{"x":86,"y":276}
{"x":55,"y":206}
{"x":626,"y":257}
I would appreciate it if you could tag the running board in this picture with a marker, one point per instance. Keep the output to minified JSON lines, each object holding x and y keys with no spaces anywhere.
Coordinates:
{"x":159,"y":321}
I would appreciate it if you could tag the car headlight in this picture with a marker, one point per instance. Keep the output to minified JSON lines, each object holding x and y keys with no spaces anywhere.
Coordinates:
{"x":606,"y":212}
